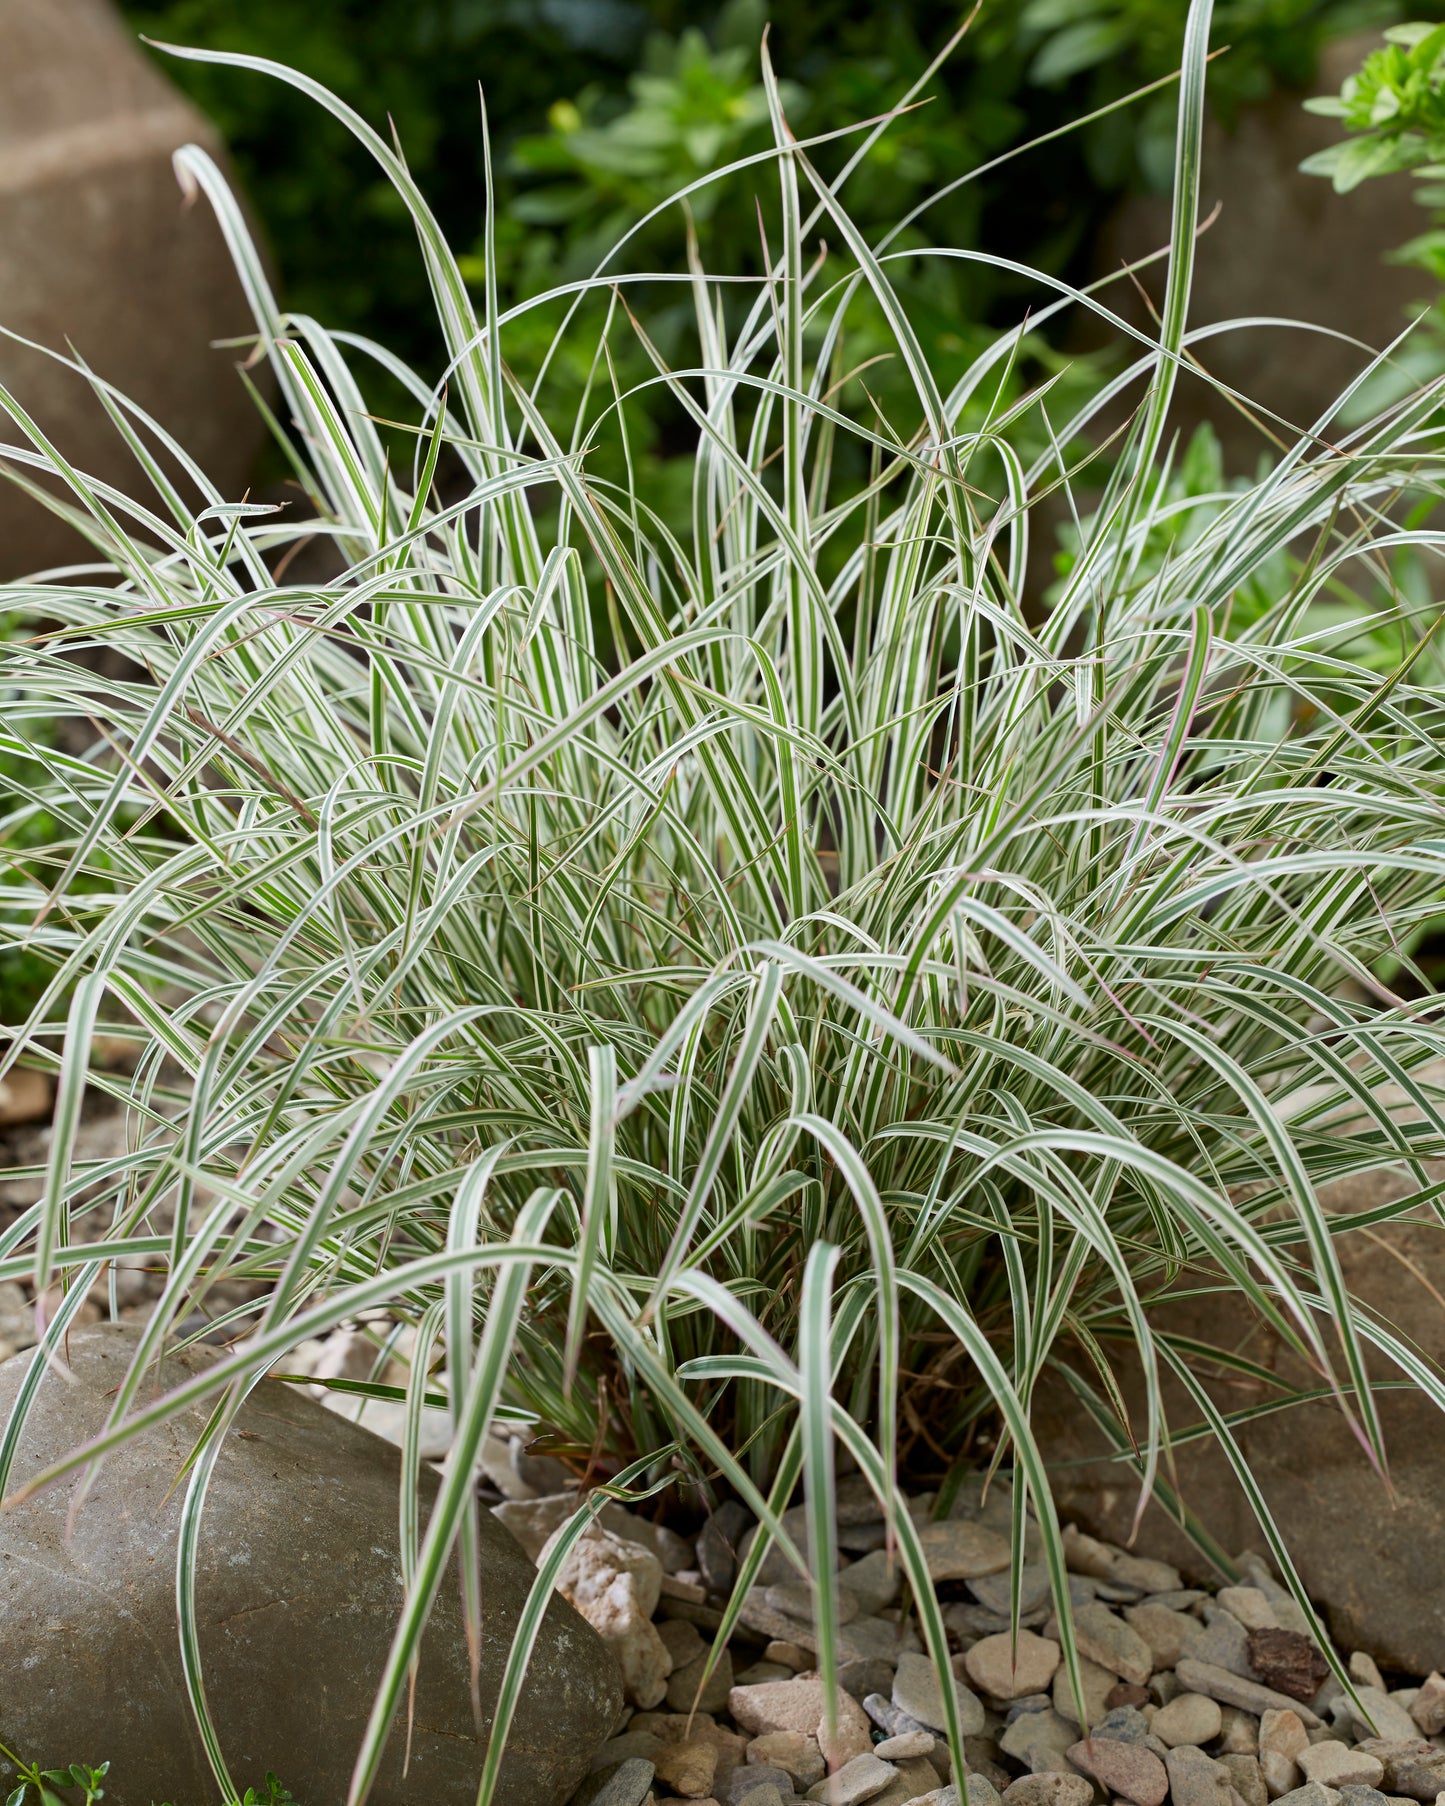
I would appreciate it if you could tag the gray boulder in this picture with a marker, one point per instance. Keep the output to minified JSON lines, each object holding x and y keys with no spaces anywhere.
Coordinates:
{"x":98,"y":247}
{"x":298,"y":1592}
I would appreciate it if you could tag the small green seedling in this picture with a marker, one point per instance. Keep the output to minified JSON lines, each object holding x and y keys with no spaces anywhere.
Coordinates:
{"x":78,"y":1774}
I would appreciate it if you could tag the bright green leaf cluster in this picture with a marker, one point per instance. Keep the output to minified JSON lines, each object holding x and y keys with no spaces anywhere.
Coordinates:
{"x":1395,"y":107}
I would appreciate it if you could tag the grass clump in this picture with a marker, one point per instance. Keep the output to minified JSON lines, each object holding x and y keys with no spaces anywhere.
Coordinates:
{"x":754,"y":992}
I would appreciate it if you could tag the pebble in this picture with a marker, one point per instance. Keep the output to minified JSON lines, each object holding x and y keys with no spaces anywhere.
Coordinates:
{"x":959,"y":1550}
{"x":1288,"y":1662}
{"x":683,"y":1641}
{"x":870,"y":1674}
{"x":717,"y":1546}
{"x":1111,"y":1643}
{"x":1312,"y":1794}
{"x":906,"y":1743}
{"x":797,"y":1705}
{"x":1366,"y":1670}
{"x":795,"y":1599}
{"x":686,"y":1688}
{"x":1230,"y":1690}
{"x":887,"y":1716}
{"x":1126,"y":1769}
{"x":765,"y":1794}
{"x":1224,"y":1642}
{"x":1188,"y":1718}
{"x":1428,"y":1706}
{"x":855,"y":1782}
{"x":1049,"y":1790}
{"x":1250,"y":1606}
{"x":1102,"y":1561}
{"x":626,"y":1785}
{"x":1240,"y":1735}
{"x":996,"y":1590}
{"x":1007,"y":1669}
{"x":1283,"y":1739}
{"x":1246,"y":1779}
{"x":1098,"y":1684}
{"x":630,"y":1743}
{"x":688,"y":1768}
{"x":918,"y":1692}
{"x":874,"y":1582}
{"x":744,"y":1781}
{"x":1040,"y":1740}
{"x":615,"y":1586}
{"x":796,"y":1755}
{"x":1196,"y":1779}
{"x":1125,"y":1693}
{"x":1363,"y":1796}
{"x":791,"y":1656}
{"x":1386,"y":1717}
{"x":1335,"y":1765}
{"x":1126,"y":1724}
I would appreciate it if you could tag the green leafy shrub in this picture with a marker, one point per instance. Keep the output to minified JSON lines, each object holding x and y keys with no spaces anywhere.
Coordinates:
{"x":698,"y":978}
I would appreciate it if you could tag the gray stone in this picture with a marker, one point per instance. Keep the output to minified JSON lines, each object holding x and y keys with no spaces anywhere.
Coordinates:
{"x":765,"y":1795}
{"x":1041,"y":1741}
{"x":1098,"y":1684}
{"x":918,"y":1691}
{"x":1230,"y":1690}
{"x":1311,"y":1794}
{"x":855,"y":1782}
{"x":1112,"y":1643}
{"x":981,"y":1791}
{"x":874,"y":1582}
{"x":906,"y":1743}
{"x":98,"y":248}
{"x":1126,"y":1769}
{"x":1382,"y":1717}
{"x":683,"y":1684}
{"x":1007,"y":1667}
{"x":889,"y":1718}
{"x":1351,"y":1795}
{"x":1188,"y":1718}
{"x":626,"y":1784}
{"x":1336,"y":1765}
{"x":1225,"y":1643}
{"x":1247,"y":1780}
{"x":1049,"y":1790}
{"x":1428,"y":1706}
{"x":1125,"y":1724}
{"x":717,"y":1545}
{"x":959,"y":1550}
{"x":297,"y":1555}
{"x":743,"y":1782}
{"x":995,"y":1590}
{"x":1196,"y":1779}
{"x":870,"y":1674}
{"x":619,"y":1749}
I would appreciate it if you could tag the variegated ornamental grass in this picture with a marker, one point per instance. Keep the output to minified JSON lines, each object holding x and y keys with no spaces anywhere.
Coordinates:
{"x":699,"y":982}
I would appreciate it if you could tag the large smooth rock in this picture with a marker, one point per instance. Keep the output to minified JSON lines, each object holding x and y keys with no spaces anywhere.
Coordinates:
{"x":1284,"y":245}
{"x":98,"y":247}
{"x":298,"y":1594}
{"x":1372,"y":1560}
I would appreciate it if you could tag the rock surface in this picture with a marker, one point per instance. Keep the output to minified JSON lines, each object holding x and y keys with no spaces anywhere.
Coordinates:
{"x":1370,"y":1562}
{"x":297,"y":1551}
{"x":98,"y":246}
{"x":1284,"y":246}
